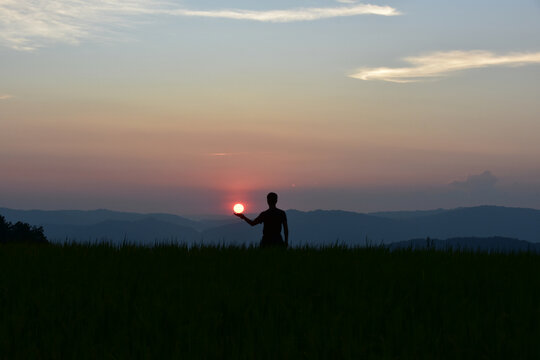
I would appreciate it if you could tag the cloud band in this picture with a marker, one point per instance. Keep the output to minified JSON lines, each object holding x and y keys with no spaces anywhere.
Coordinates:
{"x":29,"y":24}
{"x":440,"y":64}
{"x":305,"y":14}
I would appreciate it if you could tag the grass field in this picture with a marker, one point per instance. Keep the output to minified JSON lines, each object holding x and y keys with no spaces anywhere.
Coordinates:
{"x":100,"y":302}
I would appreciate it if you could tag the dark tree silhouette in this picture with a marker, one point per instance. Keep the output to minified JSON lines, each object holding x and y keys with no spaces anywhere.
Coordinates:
{"x":20,"y":232}
{"x":4,"y":228}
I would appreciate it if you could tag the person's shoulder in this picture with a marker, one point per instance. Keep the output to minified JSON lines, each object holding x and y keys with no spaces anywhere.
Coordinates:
{"x":281,"y":212}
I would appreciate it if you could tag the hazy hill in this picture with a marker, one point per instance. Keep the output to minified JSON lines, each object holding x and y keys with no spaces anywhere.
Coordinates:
{"x":312,"y":227}
{"x":236,"y":233}
{"x":406,"y":215}
{"x":145,"y":231}
{"x":90,"y":217}
{"x":320,"y":226}
{"x":352,"y":228}
{"x":480,"y":221}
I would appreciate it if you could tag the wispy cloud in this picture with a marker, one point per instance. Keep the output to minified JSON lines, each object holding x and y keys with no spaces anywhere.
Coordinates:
{"x":5,"y":96}
{"x":303,"y":14}
{"x":440,"y":64}
{"x":29,"y":24}
{"x":220,"y":154}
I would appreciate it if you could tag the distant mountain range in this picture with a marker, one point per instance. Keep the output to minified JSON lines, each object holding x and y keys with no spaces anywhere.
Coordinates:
{"x":317,"y":227}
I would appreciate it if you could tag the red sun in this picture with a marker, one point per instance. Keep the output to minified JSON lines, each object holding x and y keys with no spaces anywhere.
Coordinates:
{"x":238,"y":208}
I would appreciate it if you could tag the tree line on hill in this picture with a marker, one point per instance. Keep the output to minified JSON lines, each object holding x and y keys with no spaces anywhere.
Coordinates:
{"x":20,"y":232}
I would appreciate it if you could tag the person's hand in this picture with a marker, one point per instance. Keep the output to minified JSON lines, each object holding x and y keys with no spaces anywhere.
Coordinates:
{"x":240,"y":215}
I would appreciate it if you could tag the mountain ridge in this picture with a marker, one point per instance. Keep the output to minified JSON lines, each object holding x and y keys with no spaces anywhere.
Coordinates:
{"x":316,"y":227}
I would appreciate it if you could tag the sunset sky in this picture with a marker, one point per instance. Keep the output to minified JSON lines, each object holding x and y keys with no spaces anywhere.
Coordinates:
{"x":190,"y":106}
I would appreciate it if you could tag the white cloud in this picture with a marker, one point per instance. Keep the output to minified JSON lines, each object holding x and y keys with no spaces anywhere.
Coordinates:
{"x":29,"y":24}
{"x":304,"y":14}
{"x":440,"y":64}
{"x":346,"y":1}
{"x":5,"y":96}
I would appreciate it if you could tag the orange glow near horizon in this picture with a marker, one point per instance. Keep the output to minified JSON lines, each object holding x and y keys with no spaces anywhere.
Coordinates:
{"x":238,"y":208}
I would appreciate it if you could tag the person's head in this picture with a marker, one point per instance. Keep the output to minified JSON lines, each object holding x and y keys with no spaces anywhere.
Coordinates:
{"x":271,"y":198}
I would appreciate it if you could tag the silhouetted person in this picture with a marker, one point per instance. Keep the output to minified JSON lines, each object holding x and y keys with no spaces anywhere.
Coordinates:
{"x":272,"y":220}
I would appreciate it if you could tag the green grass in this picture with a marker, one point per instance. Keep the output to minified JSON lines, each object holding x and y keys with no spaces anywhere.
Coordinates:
{"x":100,"y":302}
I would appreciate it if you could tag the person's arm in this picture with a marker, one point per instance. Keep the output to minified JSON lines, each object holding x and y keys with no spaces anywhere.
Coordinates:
{"x":248,"y":220}
{"x":286,"y":230}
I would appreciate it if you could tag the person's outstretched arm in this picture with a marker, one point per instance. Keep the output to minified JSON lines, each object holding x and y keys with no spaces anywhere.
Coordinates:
{"x":286,"y":231}
{"x":248,"y":220}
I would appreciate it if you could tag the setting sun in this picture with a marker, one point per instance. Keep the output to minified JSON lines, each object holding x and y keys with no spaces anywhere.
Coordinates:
{"x":238,"y":208}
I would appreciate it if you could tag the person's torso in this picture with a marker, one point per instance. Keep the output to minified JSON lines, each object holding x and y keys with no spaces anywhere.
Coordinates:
{"x":272,"y":220}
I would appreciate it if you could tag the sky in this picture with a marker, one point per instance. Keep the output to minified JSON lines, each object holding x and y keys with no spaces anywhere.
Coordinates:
{"x":190,"y":106}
